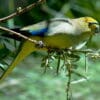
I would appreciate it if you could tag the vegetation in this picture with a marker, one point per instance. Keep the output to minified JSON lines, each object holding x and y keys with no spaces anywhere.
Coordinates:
{"x":28,"y":80}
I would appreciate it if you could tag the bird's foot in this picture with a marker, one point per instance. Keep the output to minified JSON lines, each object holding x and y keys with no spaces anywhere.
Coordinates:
{"x":40,"y":44}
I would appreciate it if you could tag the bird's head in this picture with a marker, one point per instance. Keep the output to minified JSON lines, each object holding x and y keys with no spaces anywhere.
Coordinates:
{"x":88,"y":24}
{"x":92,"y":24}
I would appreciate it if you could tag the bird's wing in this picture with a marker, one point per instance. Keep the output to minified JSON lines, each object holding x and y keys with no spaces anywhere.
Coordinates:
{"x":36,"y":29}
{"x":61,"y":26}
{"x":51,"y":27}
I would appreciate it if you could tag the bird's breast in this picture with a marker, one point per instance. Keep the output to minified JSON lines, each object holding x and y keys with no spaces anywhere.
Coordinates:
{"x":61,"y":41}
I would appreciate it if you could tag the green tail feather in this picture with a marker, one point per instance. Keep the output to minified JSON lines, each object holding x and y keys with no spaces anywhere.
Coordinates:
{"x":26,"y":49}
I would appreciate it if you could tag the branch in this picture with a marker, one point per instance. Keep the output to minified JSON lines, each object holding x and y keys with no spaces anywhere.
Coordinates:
{"x":38,"y":44}
{"x":20,"y":11}
{"x":19,"y":34}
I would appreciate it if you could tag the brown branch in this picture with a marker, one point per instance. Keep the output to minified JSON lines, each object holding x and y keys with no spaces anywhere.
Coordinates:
{"x":19,"y":34}
{"x":20,"y":10}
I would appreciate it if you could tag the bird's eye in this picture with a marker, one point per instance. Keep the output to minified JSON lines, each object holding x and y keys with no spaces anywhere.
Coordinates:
{"x":92,"y":23}
{"x":89,"y":24}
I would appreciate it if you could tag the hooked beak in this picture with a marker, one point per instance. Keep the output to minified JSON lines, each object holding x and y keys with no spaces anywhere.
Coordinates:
{"x":97,"y":29}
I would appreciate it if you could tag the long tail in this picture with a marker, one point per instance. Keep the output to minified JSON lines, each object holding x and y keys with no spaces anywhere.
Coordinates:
{"x":26,"y":49}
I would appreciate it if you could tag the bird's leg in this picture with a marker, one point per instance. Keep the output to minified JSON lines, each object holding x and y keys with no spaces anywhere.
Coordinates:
{"x":40,"y":44}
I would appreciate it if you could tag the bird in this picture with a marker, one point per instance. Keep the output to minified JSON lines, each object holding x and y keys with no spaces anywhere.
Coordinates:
{"x":60,"y":33}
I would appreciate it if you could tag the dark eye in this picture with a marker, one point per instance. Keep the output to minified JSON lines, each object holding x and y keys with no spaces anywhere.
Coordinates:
{"x":92,"y":23}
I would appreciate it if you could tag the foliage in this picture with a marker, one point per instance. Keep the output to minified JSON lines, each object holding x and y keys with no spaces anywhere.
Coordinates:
{"x":27,"y":80}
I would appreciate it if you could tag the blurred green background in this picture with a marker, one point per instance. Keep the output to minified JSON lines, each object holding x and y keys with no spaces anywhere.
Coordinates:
{"x":27,"y":81}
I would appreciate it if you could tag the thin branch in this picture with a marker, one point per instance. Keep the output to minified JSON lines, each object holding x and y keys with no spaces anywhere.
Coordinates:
{"x":20,"y":10}
{"x":19,"y":34}
{"x":69,"y":66}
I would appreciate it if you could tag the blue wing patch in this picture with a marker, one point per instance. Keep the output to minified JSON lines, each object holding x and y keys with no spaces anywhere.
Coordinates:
{"x":40,"y":32}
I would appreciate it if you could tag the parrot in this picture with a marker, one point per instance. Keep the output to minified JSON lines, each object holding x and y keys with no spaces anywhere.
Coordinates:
{"x":60,"y":33}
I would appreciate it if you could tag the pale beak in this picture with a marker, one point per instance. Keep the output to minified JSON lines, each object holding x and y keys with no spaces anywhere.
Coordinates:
{"x":97,"y":29}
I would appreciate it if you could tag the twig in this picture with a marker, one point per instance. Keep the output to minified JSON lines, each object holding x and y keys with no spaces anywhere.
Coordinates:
{"x":69,"y":80}
{"x":20,"y":11}
{"x":86,"y":67}
{"x":80,"y":80}
{"x":19,"y":34}
{"x":52,"y":11}
{"x":58,"y":65}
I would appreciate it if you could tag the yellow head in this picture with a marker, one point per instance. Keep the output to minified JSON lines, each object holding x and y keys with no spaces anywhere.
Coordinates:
{"x":92,"y":24}
{"x":87,"y":24}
